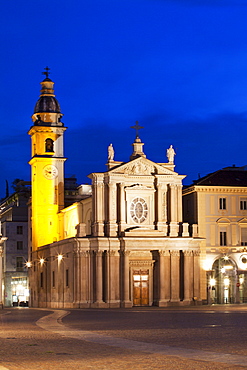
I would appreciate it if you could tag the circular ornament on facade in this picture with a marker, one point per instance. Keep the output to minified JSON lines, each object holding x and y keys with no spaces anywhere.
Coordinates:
{"x":243,"y":259}
{"x":50,"y":172}
{"x":138,"y":210}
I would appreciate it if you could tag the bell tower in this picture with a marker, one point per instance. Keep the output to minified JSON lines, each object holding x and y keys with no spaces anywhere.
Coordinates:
{"x":47,"y":166}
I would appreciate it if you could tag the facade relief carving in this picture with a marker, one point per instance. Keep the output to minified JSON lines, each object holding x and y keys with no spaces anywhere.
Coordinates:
{"x":139,"y":168}
{"x":141,"y":263}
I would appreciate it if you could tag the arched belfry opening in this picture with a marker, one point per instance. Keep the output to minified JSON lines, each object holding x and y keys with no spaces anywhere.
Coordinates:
{"x":49,"y":145}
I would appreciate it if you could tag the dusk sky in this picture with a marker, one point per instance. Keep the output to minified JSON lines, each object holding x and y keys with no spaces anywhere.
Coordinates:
{"x":179,"y":67}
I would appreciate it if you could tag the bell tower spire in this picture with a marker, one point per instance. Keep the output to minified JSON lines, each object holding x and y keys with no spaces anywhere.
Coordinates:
{"x":47,"y":164}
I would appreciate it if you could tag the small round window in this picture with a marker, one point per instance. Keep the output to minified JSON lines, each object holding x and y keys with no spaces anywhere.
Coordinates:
{"x":138,"y":210}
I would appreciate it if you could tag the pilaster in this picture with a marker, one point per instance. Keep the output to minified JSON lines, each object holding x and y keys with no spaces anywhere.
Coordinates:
{"x":122,"y":222}
{"x":162,"y":208}
{"x":98,"y":226}
{"x":112,"y":210}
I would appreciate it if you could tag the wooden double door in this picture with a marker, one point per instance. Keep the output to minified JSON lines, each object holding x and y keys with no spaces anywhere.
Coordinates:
{"x":140,"y":287}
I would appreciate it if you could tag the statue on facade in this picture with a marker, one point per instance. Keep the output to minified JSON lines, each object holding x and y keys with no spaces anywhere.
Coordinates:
{"x":170,"y":153}
{"x":110,"y":153}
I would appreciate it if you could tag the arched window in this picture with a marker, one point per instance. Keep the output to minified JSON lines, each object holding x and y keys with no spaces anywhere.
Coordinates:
{"x":49,"y":145}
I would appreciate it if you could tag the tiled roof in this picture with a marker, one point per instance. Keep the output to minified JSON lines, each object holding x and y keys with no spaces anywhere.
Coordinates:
{"x":230,"y":176}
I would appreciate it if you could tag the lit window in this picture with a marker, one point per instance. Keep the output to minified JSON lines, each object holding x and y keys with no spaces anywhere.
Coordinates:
{"x":222,"y":203}
{"x":243,"y":204}
{"x":244,"y":236}
{"x":223,"y":238}
{"x":138,"y":210}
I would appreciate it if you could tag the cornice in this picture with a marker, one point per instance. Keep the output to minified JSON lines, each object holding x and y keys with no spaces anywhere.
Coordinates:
{"x":215,"y":189}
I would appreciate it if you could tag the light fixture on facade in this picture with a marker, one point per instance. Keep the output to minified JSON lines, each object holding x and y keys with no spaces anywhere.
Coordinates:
{"x":41,"y":261}
{"x":212,"y":282}
{"x":28,"y":264}
{"x":60,"y":257}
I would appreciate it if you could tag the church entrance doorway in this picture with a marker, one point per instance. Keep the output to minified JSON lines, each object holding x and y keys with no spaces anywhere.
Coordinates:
{"x":140,"y":288}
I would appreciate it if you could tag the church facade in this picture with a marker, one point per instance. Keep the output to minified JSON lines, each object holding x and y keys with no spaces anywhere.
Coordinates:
{"x":123,"y":244}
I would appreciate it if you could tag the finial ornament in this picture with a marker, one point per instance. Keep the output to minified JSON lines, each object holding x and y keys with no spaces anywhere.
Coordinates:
{"x":170,"y":153}
{"x":137,"y":127}
{"x":46,"y":73}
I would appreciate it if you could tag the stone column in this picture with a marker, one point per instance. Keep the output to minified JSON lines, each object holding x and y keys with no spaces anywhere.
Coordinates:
{"x":164,"y":278}
{"x":173,"y":211}
{"x":126,"y":281}
{"x":175,"y":276}
{"x":122,"y":205}
{"x":99,"y":279}
{"x":113,"y":279}
{"x":197,"y":293}
{"x":188,"y":276}
{"x":112,"y":212}
{"x":161,"y":208}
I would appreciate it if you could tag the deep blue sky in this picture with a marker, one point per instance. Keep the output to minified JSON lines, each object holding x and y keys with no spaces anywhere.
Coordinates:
{"x":178,"y":67}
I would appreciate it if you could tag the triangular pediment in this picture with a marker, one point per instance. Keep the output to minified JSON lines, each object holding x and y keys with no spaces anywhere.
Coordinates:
{"x":142,"y":166}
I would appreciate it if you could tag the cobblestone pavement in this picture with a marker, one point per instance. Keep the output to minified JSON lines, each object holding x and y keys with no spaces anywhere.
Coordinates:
{"x":137,"y":339}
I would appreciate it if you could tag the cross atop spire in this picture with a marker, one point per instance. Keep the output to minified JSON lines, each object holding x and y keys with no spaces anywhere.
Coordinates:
{"x":137,"y":127}
{"x":46,"y":73}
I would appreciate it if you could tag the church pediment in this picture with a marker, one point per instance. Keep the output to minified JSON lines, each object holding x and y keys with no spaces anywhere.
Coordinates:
{"x":142,"y":166}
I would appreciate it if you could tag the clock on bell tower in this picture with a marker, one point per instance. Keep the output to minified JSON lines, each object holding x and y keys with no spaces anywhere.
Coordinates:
{"x":47,"y":164}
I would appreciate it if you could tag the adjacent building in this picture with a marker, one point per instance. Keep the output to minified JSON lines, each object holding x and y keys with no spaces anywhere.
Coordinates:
{"x":14,"y":230}
{"x":218,"y":204}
